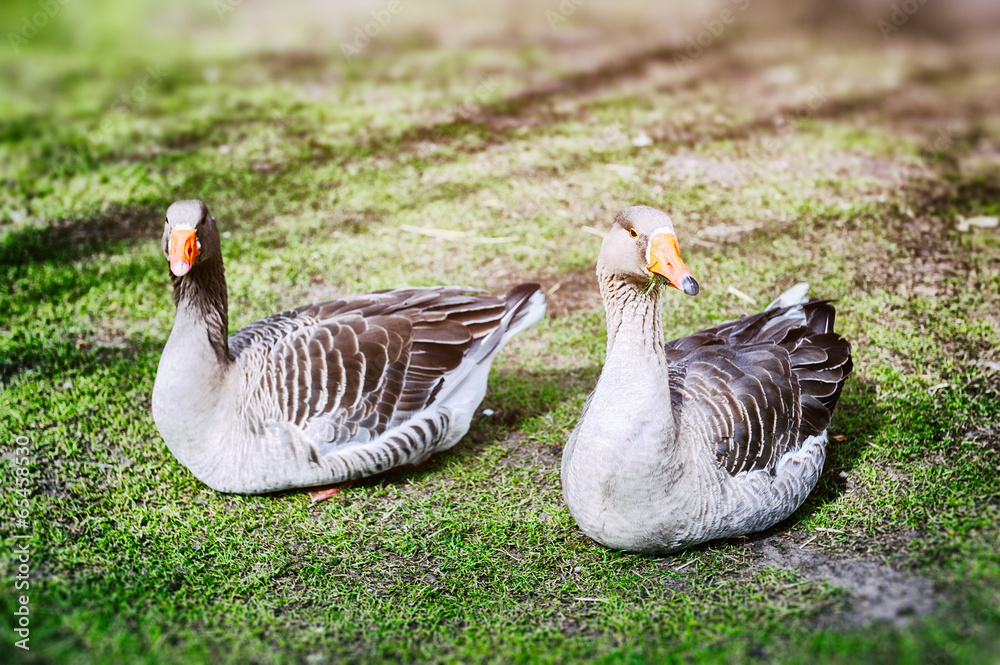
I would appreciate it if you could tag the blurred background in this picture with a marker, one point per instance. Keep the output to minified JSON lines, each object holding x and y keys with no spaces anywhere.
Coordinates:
{"x":595,"y":29}
{"x":109,"y":70}
{"x":517,"y":121}
{"x":85,"y":82}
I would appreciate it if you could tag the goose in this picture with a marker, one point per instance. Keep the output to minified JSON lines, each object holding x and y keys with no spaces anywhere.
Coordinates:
{"x":720,"y":433}
{"x":324,"y":393}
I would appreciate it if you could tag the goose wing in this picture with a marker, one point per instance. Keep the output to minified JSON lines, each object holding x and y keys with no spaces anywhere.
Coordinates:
{"x":753,"y":388}
{"x":347,"y":370}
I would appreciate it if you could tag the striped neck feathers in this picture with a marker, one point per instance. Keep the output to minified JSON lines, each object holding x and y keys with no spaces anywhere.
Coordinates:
{"x":202,"y":295}
{"x":634,"y":318}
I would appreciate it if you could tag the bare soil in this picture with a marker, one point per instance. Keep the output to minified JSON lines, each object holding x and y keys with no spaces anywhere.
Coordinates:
{"x":876,"y":592}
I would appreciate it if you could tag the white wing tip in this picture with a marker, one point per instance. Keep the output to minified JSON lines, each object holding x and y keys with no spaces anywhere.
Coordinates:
{"x":536,"y":310}
{"x":793,"y":296}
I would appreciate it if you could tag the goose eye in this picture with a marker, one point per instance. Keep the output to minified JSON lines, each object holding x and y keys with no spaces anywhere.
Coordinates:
{"x":633,"y":233}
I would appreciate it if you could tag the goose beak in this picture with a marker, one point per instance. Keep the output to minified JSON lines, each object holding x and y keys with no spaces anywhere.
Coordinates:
{"x":665,"y":261}
{"x":183,"y":250}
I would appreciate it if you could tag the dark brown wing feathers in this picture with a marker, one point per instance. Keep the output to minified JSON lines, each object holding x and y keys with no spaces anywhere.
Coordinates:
{"x":758,"y":386}
{"x":367,"y":363}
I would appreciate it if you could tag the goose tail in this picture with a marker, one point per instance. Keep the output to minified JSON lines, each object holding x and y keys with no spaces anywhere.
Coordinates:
{"x":525,"y":306}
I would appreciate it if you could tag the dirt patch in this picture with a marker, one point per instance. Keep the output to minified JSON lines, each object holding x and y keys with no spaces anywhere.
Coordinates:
{"x":566,"y":293}
{"x":574,"y":292}
{"x":696,"y":168}
{"x":876,"y":592}
{"x":986,"y":437}
{"x":528,"y":456}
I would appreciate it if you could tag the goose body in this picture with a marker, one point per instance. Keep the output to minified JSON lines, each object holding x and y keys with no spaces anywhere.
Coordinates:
{"x":324,"y":393}
{"x":716,"y":434}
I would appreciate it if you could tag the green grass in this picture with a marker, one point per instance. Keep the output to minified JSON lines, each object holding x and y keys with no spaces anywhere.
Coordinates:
{"x":315,"y":166}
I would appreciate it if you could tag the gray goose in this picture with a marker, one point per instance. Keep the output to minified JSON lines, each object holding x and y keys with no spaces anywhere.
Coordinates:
{"x":716,"y":434}
{"x":324,"y":393}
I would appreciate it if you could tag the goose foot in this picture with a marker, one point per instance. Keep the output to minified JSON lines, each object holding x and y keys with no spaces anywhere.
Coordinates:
{"x":324,"y":494}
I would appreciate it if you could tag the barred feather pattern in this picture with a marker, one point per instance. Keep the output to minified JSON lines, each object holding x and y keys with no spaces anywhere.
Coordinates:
{"x":348,"y":388}
{"x":349,"y":369}
{"x":755,"y":388}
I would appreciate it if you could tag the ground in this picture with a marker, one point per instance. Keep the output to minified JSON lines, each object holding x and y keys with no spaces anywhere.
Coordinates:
{"x":855,"y":148}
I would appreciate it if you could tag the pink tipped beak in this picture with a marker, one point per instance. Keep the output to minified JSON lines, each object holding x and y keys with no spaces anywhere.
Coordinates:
{"x":183,"y":251}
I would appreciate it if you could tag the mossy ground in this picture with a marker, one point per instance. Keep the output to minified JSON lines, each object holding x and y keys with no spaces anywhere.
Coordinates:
{"x":484,"y":147}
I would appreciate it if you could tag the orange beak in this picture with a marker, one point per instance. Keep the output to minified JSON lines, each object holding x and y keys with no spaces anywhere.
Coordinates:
{"x":665,"y":261}
{"x":183,"y":250}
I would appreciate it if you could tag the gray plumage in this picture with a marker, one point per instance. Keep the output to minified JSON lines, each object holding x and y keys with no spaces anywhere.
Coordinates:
{"x":324,"y":393}
{"x":716,"y":434}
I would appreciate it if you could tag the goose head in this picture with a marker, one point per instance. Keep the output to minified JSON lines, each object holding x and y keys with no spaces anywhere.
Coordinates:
{"x":641,"y":246}
{"x":190,"y":236}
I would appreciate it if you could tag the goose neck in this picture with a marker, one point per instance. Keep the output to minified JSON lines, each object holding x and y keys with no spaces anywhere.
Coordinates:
{"x":202,"y":304}
{"x":635,"y":327}
{"x":193,"y":385}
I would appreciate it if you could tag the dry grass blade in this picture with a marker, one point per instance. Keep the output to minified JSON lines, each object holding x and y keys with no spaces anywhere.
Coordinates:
{"x":732,"y":290}
{"x":450,"y":234}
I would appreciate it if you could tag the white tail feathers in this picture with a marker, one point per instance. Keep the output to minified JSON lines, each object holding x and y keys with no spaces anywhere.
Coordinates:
{"x":790,"y":298}
{"x":529,"y":316}
{"x":793,"y":296}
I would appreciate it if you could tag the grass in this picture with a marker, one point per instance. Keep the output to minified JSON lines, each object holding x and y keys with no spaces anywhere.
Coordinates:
{"x":316,"y":165}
